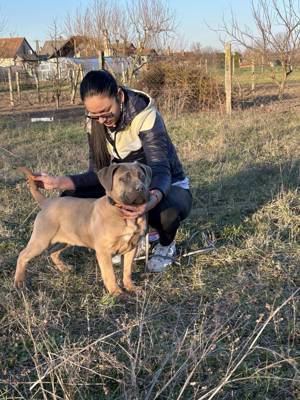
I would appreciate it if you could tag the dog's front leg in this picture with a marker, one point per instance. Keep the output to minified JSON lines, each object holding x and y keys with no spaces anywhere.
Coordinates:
{"x":107,"y":272}
{"x":127,"y":272}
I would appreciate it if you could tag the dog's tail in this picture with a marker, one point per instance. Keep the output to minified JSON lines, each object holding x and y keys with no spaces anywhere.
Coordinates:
{"x":33,"y":186}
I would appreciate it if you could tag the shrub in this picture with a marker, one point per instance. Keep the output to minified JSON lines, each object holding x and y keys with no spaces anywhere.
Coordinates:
{"x":181,"y":88}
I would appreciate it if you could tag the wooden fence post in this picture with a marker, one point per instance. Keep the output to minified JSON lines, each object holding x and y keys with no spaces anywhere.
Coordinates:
{"x":123,"y":73}
{"x":37,"y":83}
{"x":11,"y":94}
{"x":252,"y":76}
{"x":228,"y":78}
{"x":74,"y":85}
{"x":18,"y":85}
{"x":101,"y":60}
{"x":81,"y":72}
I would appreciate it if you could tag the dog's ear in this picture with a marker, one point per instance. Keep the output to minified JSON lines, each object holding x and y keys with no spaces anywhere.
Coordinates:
{"x":148,"y":172}
{"x":105,"y":176}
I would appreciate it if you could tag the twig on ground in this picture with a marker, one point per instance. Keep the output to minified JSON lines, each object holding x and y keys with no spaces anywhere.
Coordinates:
{"x":226,"y":379}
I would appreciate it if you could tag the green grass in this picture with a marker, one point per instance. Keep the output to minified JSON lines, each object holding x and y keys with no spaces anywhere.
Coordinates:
{"x":200,"y":327}
{"x":243,"y":76}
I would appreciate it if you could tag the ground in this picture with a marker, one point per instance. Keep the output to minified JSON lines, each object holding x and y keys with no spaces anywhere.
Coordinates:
{"x":220,"y":325}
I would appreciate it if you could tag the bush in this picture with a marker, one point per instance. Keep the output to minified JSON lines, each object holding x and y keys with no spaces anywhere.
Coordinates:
{"x":181,"y":88}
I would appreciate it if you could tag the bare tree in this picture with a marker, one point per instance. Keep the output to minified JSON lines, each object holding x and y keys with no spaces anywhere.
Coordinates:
{"x":277,"y":36}
{"x":3,"y":22}
{"x":3,"y":25}
{"x":196,"y":47}
{"x":152,"y":22}
{"x":58,"y":80}
{"x":152,"y":26}
{"x":110,"y":25}
{"x":98,"y":22}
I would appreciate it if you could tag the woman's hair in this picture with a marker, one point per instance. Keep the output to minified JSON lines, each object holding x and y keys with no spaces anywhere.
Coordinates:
{"x":97,"y":83}
{"x":98,"y":146}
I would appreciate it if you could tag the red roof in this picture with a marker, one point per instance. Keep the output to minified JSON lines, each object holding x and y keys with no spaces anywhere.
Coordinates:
{"x":10,"y":46}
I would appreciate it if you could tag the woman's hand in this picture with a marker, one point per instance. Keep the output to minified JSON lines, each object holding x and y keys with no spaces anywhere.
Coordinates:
{"x":50,"y":182}
{"x":133,"y":212}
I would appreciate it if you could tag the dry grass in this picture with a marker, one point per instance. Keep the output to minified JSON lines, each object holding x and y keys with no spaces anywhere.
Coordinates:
{"x":223,"y":325}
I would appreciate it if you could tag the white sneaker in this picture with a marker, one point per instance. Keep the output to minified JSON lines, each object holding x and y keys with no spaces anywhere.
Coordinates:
{"x":116,"y":259}
{"x":162,"y":257}
{"x":153,"y":237}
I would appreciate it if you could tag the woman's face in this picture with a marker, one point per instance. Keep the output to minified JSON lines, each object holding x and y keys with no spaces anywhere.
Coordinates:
{"x":106,"y":110}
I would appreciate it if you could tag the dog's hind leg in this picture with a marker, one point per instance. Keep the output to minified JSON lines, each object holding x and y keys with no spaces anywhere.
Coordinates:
{"x":58,"y":261}
{"x":33,"y":249}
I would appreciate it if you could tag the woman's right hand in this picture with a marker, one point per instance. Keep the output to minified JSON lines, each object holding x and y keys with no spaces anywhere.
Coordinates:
{"x":50,"y":182}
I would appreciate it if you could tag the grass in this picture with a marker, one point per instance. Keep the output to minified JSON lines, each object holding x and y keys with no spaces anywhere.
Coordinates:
{"x":222,"y":325}
{"x":243,"y":76}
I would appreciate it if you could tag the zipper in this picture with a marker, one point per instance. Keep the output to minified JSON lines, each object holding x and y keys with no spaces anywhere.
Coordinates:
{"x":113,"y":141}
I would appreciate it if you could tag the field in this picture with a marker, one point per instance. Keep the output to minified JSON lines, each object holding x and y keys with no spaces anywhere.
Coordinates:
{"x":244,"y":75}
{"x":266,"y":90}
{"x":221,"y":325}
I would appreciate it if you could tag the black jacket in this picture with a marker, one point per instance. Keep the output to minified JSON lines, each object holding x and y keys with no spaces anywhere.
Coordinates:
{"x":140,"y":135}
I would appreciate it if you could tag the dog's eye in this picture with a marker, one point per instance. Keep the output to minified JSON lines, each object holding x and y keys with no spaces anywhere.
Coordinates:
{"x":125,"y":178}
{"x":141,"y":176}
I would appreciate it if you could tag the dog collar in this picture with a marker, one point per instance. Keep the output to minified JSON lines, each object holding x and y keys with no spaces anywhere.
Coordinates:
{"x":112,"y":202}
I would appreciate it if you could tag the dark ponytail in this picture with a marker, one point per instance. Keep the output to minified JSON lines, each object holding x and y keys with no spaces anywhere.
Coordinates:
{"x":98,"y":146}
{"x":97,"y":83}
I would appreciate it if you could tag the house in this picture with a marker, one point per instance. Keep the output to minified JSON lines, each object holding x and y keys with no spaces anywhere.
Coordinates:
{"x":74,"y":46}
{"x":17,"y":52}
{"x":87,"y":47}
{"x":48,"y":69}
{"x":61,"y":56}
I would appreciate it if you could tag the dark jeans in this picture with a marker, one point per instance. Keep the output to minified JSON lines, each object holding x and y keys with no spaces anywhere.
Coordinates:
{"x":165,"y":217}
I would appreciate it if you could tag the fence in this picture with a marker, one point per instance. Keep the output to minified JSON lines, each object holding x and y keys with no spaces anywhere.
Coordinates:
{"x":52,"y":81}
{"x":56,"y":83}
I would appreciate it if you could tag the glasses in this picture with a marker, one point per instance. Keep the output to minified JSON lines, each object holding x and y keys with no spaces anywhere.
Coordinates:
{"x":100,"y":116}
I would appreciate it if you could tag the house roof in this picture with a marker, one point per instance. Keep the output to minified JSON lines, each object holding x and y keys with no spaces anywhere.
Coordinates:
{"x":10,"y":46}
{"x":52,"y":46}
{"x":89,"y":46}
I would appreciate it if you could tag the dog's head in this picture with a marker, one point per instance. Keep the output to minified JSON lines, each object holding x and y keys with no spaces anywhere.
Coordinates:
{"x":126,"y":183}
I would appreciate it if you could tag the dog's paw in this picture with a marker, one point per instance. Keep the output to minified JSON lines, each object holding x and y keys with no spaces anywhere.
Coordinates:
{"x":117,"y":292}
{"x":19,"y":283}
{"x":132,"y":288}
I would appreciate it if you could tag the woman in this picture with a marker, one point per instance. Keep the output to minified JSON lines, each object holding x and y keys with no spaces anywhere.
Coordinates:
{"x":124,"y":126}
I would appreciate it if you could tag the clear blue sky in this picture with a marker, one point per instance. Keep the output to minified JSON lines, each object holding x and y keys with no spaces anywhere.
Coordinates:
{"x":33,"y":18}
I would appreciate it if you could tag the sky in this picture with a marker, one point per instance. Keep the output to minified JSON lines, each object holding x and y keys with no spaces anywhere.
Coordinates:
{"x":33,"y":18}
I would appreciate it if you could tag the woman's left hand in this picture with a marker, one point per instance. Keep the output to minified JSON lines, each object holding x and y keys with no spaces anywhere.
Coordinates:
{"x":133,"y":212}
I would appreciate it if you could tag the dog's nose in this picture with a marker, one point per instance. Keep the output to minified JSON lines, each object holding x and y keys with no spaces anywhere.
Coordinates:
{"x":140,"y":187}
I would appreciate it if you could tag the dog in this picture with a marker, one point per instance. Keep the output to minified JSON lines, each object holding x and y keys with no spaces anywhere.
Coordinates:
{"x":93,"y":223}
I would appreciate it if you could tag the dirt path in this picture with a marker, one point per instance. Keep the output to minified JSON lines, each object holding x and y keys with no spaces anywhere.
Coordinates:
{"x":25,"y":117}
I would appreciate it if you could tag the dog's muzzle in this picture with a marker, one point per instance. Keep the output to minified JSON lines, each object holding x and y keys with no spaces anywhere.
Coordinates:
{"x":136,"y":197}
